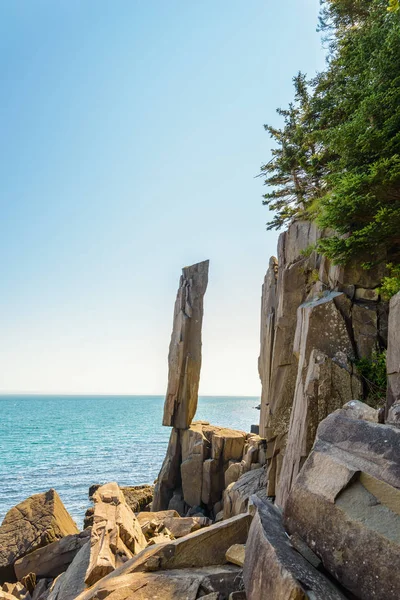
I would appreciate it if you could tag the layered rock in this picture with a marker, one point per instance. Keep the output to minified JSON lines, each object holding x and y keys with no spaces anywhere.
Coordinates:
{"x":324,"y":380}
{"x":209,"y":583}
{"x":32,"y":524}
{"x":53,"y":559}
{"x":201,"y":550}
{"x":345,"y":504}
{"x":311,"y":305}
{"x":199,"y":463}
{"x":393,"y":357}
{"x":116,"y":534}
{"x":272,"y":567}
{"x":184,"y":358}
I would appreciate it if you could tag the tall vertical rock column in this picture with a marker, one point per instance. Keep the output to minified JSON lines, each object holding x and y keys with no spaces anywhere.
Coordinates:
{"x":393,"y":362}
{"x":316,"y":318}
{"x":184,"y":358}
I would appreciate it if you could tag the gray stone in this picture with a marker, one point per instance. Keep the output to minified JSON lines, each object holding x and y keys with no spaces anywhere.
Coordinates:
{"x":53,"y":559}
{"x":359,"y":410}
{"x":169,"y":476}
{"x":184,"y":357}
{"x":237,"y":495}
{"x":393,"y":353}
{"x":345,"y":503}
{"x":32,"y":524}
{"x":324,"y":380}
{"x":365,"y":328}
{"x":273,"y":569}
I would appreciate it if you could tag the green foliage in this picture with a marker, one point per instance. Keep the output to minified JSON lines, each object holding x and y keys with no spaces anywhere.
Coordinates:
{"x":337,"y":156}
{"x":394,"y":5}
{"x":373,"y":373}
{"x":308,"y":251}
{"x":391,"y":284}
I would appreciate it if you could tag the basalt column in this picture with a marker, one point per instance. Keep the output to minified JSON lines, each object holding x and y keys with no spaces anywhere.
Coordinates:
{"x":184,"y":358}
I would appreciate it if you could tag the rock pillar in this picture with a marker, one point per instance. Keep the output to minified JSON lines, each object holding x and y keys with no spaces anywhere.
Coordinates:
{"x":184,"y":358}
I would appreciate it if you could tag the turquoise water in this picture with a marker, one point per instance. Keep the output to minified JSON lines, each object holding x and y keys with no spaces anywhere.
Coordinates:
{"x":71,"y":442}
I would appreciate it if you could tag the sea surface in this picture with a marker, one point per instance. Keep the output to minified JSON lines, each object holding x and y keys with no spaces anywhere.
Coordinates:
{"x":70,"y":442}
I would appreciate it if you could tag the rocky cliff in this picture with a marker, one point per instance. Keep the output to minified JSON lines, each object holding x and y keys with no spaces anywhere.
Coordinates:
{"x":215,"y":528}
{"x":317,"y":321}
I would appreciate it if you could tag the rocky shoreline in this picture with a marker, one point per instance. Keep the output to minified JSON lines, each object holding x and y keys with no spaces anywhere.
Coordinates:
{"x":307,"y":507}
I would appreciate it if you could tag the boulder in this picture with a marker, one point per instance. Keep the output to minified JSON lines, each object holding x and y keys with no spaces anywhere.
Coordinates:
{"x":138,"y":497}
{"x":15,"y":591}
{"x":393,"y":353}
{"x":70,"y":584}
{"x":188,"y":584}
{"x":184,"y":358}
{"x":53,"y":559}
{"x":42,"y":589}
{"x":235,"y":554}
{"x":116,"y":533}
{"x":32,"y":524}
{"x":272,"y":567}
{"x":181,"y":526}
{"x":155,"y":517}
{"x":237,"y":495}
{"x":345,"y":504}
{"x":359,"y":410}
{"x":393,"y":417}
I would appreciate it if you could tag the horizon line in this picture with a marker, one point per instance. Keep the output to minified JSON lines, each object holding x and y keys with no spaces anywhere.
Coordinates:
{"x":89,"y":394}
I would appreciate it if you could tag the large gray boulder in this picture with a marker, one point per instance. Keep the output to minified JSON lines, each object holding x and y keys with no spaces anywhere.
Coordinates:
{"x":272,"y":567}
{"x":36,"y":522}
{"x":345,"y":504}
{"x":184,"y":358}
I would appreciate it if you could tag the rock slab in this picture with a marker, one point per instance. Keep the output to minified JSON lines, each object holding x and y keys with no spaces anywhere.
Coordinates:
{"x":32,"y":524}
{"x":272,"y":567}
{"x":184,"y":358}
{"x":345,"y":504}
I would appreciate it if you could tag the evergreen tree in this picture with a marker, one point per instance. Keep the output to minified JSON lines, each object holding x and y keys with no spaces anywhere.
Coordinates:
{"x":337,"y":158}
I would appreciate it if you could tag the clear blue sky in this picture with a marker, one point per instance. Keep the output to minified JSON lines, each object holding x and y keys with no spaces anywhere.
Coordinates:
{"x":131,"y":132}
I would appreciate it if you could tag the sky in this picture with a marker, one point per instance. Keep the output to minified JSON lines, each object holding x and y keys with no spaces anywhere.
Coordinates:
{"x":131,"y":137}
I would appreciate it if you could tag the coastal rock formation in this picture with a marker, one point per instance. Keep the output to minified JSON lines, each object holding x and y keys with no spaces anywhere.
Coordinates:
{"x":317,"y":320}
{"x":199,"y":463}
{"x":138,"y":497}
{"x":184,"y":358}
{"x":393,"y":354}
{"x":116,"y":534}
{"x":212,"y":583}
{"x":272,"y":567}
{"x":53,"y":559}
{"x":345,"y":504}
{"x":238,"y":494}
{"x":32,"y":524}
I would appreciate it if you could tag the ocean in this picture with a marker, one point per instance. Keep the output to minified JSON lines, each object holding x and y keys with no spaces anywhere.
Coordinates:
{"x":70,"y":442}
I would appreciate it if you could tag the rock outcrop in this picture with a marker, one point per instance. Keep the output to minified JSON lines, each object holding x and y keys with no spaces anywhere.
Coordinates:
{"x":393,"y":356}
{"x":345,"y":504}
{"x":316,"y":320}
{"x":184,"y":358}
{"x":32,"y":524}
{"x":51,"y":560}
{"x":273,"y":569}
{"x":199,"y":463}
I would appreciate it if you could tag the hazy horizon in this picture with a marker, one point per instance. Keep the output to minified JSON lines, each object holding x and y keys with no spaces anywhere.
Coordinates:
{"x":132,"y":137}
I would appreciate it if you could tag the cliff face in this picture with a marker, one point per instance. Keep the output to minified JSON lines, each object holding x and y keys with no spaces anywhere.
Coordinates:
{"x":316,"y":320}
